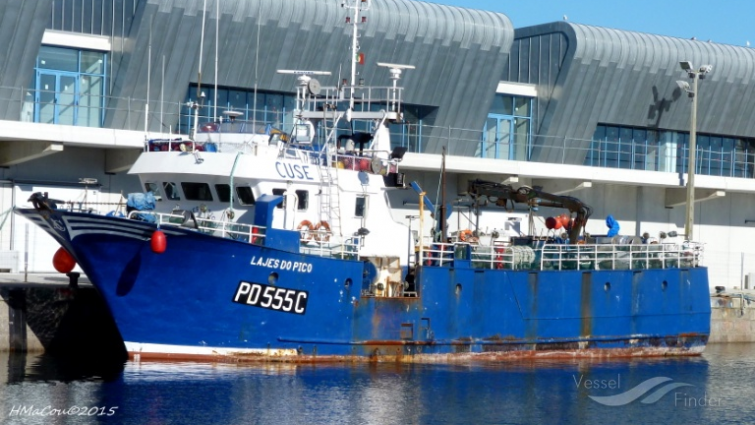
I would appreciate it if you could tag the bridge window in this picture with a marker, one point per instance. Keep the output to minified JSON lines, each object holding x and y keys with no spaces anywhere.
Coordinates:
{"x":303,"y":200}
{"x":224,"y":192}
{"x":196,"y":191}
{"x":246,"y":197}
{"x":171,"y":191}
{"x":155,"y":189}
{"x":361,"y":206}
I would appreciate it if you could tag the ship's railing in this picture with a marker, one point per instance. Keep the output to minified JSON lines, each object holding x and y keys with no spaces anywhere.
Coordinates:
{"x":566,"y":257}
{"x":321,"y":244}
{"x":366,"y":98}
{"x":621,"y":257}
{"x":375,"y":162}
{"x":225,"y":229}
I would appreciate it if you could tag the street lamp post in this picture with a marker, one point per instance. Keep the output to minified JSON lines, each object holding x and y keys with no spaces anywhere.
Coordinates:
{"x":694,"y":74}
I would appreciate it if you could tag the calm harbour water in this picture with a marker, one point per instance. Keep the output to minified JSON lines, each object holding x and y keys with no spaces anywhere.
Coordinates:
{"x":714,"y":388}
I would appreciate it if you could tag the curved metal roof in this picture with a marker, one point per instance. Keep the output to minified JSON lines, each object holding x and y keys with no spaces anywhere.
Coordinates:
{"x":626,"y":78}
{"x":459,"y":53}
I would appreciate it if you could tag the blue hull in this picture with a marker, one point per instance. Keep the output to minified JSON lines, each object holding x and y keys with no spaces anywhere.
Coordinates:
{"x":210,"y":296}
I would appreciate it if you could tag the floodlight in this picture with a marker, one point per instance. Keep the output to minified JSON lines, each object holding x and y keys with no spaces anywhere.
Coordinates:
{"x":686,"y":65}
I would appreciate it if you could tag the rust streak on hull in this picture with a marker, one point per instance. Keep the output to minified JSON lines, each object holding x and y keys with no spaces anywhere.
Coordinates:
{"x":386,"y":356}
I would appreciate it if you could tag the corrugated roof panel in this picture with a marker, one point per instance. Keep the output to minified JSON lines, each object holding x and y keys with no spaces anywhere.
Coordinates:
{"x":459,"y":53}
{"x":642,"y":70}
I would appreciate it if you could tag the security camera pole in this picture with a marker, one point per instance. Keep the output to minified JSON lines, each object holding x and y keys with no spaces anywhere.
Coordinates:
{"x":694,"y":75}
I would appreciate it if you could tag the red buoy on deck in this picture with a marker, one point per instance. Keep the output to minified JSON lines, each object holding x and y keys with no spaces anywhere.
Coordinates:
{"x":158,"y":243}
{"x":550,"y":223}
{"x":63,"y":261}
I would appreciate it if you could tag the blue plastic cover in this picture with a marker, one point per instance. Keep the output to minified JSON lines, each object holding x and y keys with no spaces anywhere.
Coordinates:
{"x":141,"y":201}
{"x":613,"y":226}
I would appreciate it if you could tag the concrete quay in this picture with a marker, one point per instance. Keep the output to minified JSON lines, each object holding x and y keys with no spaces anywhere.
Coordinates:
{"x":58,"y":314}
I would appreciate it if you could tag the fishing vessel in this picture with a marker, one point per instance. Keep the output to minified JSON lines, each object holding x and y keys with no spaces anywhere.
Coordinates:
{"x":273,"y":246}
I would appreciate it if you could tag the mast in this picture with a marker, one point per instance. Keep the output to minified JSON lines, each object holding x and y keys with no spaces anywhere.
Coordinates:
{"x":199,"y":74}
{"x":217,"y":46}
{"x":442,"y":207}
{"x":358,"y":6}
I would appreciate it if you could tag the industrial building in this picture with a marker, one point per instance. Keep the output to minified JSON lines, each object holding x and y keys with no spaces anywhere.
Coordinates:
{"x":603,"y":114}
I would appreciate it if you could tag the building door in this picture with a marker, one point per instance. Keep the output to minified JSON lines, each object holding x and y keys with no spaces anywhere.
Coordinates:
{"x":57,"y":97}
{"x":496,"y":137}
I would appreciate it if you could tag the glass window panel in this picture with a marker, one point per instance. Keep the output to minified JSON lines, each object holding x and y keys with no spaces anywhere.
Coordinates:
{"x":90,"y":101}
{"x":611,"y":148}
{"x":171,"y":191}
{"x":521,"y":138}
{"x":702,"y":154}
{"x":639,"y":148}
{"x":196,"y":191}
{"x":245,"y":194}
{"x":275,"y":109}
{"x":222,"y":101}
{"x":58,"y":58}
{"x":361,"y":206}
{"x":727,"y":156}
{"x":593,"y":157}
{"x":237,"y":102}
{"x":522,"y":106}
{"x":47,"y":88}
{"x":683,"y":152}
{"x":224,"y":192}
{"x":503,"y":139}
{"x":303,"y":200}
{"x":259,"y":106}
{"x":92,"y":62}
{"x":289,"y":104}
{"x":66,"y":99}
{"x":716,"y":145}
{"x":502,"y":104}
{"x":653,"y":152}
{"x":155,"y":189}
{"x":490,"y":138}
{"x":624,"y":147}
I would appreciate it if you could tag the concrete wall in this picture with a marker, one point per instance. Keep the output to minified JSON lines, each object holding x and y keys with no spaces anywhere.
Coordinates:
{"x":15,"y":334}
{"x":730,"y":321}
{"x":59,"y":320}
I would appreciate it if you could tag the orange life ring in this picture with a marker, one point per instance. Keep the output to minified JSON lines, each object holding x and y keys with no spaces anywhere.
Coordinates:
{"x":467,"y":235}
{"x":255,"y":232}
{"x":305,"y":228}
{"x":322,"y":235}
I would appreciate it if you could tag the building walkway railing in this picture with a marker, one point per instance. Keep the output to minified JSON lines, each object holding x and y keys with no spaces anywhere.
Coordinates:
{"x":134,"y":114}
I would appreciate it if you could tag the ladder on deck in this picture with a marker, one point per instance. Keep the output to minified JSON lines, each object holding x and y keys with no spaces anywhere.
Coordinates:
{"x":330,"y":200}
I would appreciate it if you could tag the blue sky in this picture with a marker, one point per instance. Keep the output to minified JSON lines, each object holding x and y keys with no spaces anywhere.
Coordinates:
{"x":722,"y":21}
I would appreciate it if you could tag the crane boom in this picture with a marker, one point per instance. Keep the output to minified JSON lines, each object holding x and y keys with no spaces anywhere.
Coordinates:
{"x":533,"y":198}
